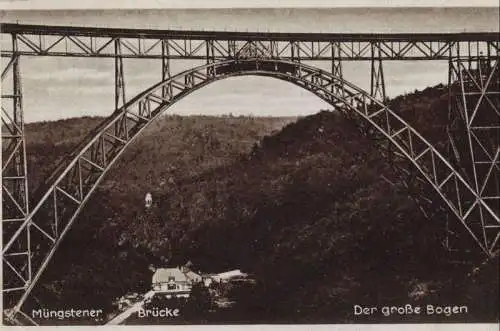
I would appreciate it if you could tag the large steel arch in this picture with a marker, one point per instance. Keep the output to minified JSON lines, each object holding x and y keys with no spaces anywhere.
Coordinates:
{"x":74,"y":181}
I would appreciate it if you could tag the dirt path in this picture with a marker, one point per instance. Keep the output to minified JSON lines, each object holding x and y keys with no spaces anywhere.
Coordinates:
{"x":120,"y":318}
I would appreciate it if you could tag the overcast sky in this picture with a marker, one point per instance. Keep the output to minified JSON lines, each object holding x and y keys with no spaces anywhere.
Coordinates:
{"x":86,"y":4}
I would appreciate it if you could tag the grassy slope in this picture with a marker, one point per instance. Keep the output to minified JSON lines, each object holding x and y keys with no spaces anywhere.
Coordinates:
{"x":308,"y":212}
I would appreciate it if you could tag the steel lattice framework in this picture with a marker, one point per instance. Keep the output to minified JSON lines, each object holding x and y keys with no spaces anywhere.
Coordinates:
{"x":467,"y":182}
{"x":474,"y":134}
{"x":156,"y":44}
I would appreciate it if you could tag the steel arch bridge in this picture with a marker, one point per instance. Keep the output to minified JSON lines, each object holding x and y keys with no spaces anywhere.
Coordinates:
{"x":466,"y":180}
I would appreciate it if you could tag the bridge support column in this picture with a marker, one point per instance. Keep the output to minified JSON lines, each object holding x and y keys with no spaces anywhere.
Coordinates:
{"x":377,"y":84}
{"x":377,"y":88}
{"x":295,"y":54}
{"x":16,"y":263}
{"x":120,"y":127}
{"x":474,"y":137}
{"x":210,"y":57}
{"x":336,"y":68}
{"x":119,"y":76}
{"x":165,"y":68}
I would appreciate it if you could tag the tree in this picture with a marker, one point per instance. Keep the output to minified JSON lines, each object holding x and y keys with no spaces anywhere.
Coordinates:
{"x":199,"y":302}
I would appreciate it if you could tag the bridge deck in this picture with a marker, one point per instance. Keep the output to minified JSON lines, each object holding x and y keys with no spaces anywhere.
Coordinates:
{"x":225,"y":35}
{"x":44,"y":40}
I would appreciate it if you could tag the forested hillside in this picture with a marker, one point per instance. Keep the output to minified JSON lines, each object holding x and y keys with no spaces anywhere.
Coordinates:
{"x":313,"y":211}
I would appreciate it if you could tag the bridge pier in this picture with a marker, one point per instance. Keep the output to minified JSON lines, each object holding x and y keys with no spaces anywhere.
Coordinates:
{"x":210,"y":57}
{"x":17,"y":271}
{"x":377,"y":87}
{"x":119,"y":76}
{"x":119,"y":85}
{"x":295,"y":55}
{"x":474,"y":136}
{"x":336,"y":67}
{"x":377,"y":83}
{"x":165,"y":68}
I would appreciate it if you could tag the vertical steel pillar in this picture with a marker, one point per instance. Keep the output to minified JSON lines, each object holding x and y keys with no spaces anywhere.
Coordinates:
{"x":377,"y":84}
{"x":16,"y":261}
{"x":231,"y":48}
{"x":455,"y":140}
{"x":474,"y":132}
{"x":210,"y":57}
{"x":119,"y":76}
{"x":337,"y":88}
{"x":120,"y":126}
{"x":377,"y":89}
{"x":336,"y":67}
{"x":165,"y":68}
{"x":295,"y":54}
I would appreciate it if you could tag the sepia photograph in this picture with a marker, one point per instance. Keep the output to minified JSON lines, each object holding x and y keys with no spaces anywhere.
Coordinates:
{"x":239,"y":163}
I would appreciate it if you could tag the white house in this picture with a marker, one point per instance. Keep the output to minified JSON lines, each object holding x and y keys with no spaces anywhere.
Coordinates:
{"x":148,"y":200}
{"x":174,"y":282}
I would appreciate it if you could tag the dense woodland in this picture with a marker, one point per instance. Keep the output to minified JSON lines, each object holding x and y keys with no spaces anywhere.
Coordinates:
{"x":308,"y":206}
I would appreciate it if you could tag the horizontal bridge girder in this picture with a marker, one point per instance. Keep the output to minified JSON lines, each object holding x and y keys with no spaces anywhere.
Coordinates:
{"x":278,"y":36}
{"x":38,"y":40}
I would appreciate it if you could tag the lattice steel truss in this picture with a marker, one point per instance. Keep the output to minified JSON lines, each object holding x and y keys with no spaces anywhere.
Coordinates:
{"x":52,"y":217}
{"x":16,"y":269}
{"x":467,"y":183}
{"x":152,"y":44}
{"x":474,"y":111}
{"x":377,"y":84}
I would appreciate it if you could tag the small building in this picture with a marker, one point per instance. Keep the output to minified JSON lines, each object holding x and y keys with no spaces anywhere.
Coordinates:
{"x":226,"y":276}
{"x":174,"y":282}
{"x":148,"y":200}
